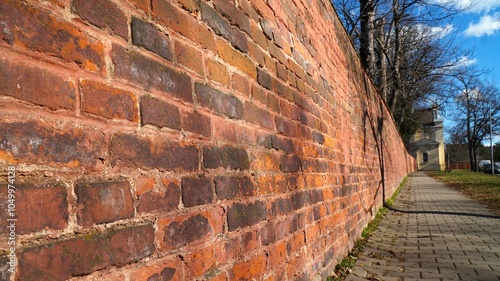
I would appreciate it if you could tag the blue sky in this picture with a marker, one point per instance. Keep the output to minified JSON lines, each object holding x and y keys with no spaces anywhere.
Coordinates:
{"x":478,"y":28}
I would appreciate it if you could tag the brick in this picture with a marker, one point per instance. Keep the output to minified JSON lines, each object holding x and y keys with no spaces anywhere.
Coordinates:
{"x":201,"y":262}
{"x":218,"y":101}
{"x":36,"y":85}
{"x":36,"y":143}
{"x":258,"y":36}
{"x":300,"y":199}
{"x":257,"y":115}
{"x":86,"y":254}
{"x":217,"y":72}
{"x":250,"y":241}
{"x":259,"y":94}
{"x":186,"y":231}
{"x":233,"y":14}
{"x":189,"y":57}
{"x":240,"y":84}
{"x":166,"y":199}
{"x":250,"y":269}
{"x":159,"y":113}
{"x":169,"y":269}
{"x":235,"y":58}
{"x":273,"y":103}
{"x":141,"y":4}
{"x":136,"y":68}
{"x":148,"y":36}
{"x":37,"y":30}
{"x":318,"y":137}
{"x":225,"y":157}
{"x":222,"y":27}
{"x":106,"y":101}
{"x":268,"y":235}
{"x":281,"y":143}
{"x":196,"y":191}
{"x":281,"y":207}
{"x":98,"y":13}
{"x":183,"y":23}
{"x":233,"y":187}
{"x":39,"y":206}
{"x":197,"y":123}
{"x":190,"y":5}
{"x":133,"y":151}
{"x":224,"y":130}
{"x":277,"y":254}
{"x":5,"y":273}
{"x":285,"y":127}
{"x":241,"y":215}
{"x":263,"y":160}
{"x":101,"y":202}
{"x":264,"y":79}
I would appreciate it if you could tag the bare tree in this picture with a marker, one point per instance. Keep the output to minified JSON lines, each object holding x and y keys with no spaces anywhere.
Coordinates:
{"x":477,"y":106}
{"x":403,"y":46}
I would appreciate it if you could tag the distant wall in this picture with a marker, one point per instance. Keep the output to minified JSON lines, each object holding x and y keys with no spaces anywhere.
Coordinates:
{"x":186,"y":140}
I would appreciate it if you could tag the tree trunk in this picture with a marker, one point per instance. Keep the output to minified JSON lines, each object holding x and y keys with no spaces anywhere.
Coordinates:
{"x":367,"y":38}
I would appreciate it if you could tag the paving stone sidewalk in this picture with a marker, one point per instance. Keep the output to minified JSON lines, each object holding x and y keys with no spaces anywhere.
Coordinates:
{"x":432,"y":233}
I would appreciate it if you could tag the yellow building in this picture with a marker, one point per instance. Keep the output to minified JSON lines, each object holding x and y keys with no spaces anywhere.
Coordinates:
{"x":427,"y":145}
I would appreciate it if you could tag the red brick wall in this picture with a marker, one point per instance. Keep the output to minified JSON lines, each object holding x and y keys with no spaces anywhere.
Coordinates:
{"x":183,"y":140}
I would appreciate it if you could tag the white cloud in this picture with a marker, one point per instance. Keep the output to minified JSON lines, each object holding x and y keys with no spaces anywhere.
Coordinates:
{"x":472,"y":6}
{"x":486,"y":26}
{"x":465,"y":61}
{"x":433,"y":31}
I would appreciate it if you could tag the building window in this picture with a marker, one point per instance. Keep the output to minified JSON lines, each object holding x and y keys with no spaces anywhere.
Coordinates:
{"x":425,"y":157}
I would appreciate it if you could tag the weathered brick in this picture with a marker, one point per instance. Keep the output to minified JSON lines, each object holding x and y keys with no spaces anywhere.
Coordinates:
{"x":218,"y":101}
{"x":106,"y":101}
{"x":281,"y":207}
{"x":241,"y":215}
{"x":148,"y":36}
{"x":183,"y":23}
{"x":264,"y":79}
{"x":281,"y":143}
{"x":235,"y":58}
{"x":222,"y":27}
{"x":141,"y":4}
{"x":197,"y":123}
{"x":233,"y":187}
{"x":27,"y":27}
{"x":134,"y":151}
{"x":36,"y":85}
{"x":136,"y":68}
{"x":86,"y":254}
{"x":268,"y":234}
{"x":37,"y":143}
{"x":300,"y":199}
{"x":165,"y":199}
{"x":250,"y":269}
{"x":101,"y":202}
{"x":258,"y":115}
{"x":169,"y":269}
{"x":196,"y":191}
{"x":39,"y":206}
{"x":189,"y":57}
{"x":225,"y":157}
{"x":159,"y":113}
{"x":104,"y":14}
{"x":234,"y":15}
{"x":286,"y":127}
{"x":186,"y":231}
{"x":318,"y":137}
{"x":201,"y":262}
{"x":217,"y":72}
